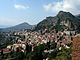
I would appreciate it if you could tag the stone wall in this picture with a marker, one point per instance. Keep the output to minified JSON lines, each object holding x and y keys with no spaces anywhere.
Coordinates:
{"x":76,"y":48}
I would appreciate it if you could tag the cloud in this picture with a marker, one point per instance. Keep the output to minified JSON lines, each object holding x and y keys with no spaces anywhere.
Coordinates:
{"x":19,"y":6}
{"x":72,"y":6}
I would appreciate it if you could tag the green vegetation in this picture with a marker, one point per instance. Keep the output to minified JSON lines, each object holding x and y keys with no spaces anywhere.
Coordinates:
{"x":64,"y":54}
{"x":38,"y":53}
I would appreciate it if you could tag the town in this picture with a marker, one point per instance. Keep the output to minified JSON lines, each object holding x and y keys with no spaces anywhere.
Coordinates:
{"x":27,"y":41}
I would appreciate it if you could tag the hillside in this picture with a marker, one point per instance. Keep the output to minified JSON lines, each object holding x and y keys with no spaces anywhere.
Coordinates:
{"x":18,"y":27}
{"x":63,"y":20}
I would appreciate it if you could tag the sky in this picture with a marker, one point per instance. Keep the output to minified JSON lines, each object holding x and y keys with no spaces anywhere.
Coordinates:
{"x":13,"y":12}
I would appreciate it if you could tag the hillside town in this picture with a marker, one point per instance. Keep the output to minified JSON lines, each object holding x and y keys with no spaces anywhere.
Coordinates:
{"x":26,"y":42}
{"x":39,"y":29}
{"x":54,"y":38}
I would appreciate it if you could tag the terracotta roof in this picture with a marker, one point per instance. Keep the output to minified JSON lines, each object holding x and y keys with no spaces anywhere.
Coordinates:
{"x":6,"y":50}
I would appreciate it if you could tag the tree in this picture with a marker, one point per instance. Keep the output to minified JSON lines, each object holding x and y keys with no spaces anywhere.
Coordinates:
{"x":64,"y":54}
{"x":37,"y":53}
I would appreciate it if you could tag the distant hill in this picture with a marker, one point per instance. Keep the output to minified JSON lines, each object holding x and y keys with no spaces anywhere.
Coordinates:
{"x":0,"y":29}
{"x":78,"y":16}
{"x":18,"y":27}
{"x":63,"y":20}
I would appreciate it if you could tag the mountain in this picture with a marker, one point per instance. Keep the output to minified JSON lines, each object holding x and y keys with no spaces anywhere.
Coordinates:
{"x":18,"y":27}
{"x":63,"y":20}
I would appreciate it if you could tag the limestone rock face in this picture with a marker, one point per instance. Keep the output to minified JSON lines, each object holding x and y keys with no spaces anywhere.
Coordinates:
{"x":63,"y":20}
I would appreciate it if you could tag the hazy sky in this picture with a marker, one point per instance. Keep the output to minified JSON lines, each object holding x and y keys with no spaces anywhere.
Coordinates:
{"x":13,"y":12}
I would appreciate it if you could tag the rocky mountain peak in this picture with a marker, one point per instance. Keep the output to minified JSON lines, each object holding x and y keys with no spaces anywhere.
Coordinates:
{"x":64,"y":14}
{"x":63,"y":20}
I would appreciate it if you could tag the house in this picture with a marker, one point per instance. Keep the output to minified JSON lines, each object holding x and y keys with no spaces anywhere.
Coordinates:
{"x":6,"y":50}
{"x":67,"y":32}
